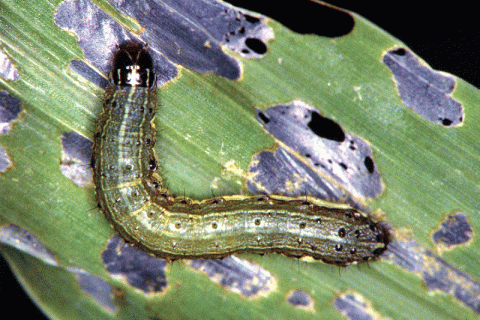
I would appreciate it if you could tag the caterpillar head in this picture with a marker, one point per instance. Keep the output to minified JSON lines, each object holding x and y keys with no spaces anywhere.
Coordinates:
{"x":133,"y":66}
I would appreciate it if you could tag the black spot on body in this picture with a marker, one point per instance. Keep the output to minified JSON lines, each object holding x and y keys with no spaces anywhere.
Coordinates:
{"x":165,"y":195}
{"x":152,"y":164}
{"x":342,"y":233}
{"x":184,"y":201}
{"x":326,"y":128}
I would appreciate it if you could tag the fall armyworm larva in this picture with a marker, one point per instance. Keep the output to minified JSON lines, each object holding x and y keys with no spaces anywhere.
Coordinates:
{"x":130,"y":192}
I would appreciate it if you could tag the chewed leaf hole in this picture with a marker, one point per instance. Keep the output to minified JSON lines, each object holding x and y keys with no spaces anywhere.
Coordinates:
{"x":325,"y":146}
{"x":326,"y":128}
{"x":256,"y":45}
{"x":305,"y":17}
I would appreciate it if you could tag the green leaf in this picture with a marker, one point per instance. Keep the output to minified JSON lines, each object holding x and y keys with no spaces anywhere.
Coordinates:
{"x":209,"y":135}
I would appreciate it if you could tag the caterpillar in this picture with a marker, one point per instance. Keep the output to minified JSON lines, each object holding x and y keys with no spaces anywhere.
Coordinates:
{"x":130,"y":192}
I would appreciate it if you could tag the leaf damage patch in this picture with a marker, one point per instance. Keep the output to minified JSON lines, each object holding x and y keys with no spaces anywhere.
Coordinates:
{"x":97,"y":289}
{"x":88,"y":73}
{"x":7,"y":69}
{"x":436,"y":273}
{"x":5,"y":161}
{"x":242,"y":32}
{"x":454,"y":231}
{"x":237,"y":275}
{"x":353,"y":306}
{"x":314,"y":156}
{"x":21,"y":239}
{"x":76,"y":155}
{"x":137,"y":268}
{"x":426,"y":91}
{"x":301,"y":300}
{"x":9,"y":111}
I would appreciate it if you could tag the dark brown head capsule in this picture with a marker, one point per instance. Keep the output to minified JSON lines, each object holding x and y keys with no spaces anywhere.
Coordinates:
{"x":133,"y":66}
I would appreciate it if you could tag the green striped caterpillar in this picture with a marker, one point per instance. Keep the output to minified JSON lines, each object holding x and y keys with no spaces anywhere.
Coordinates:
{"x":130,"y":193}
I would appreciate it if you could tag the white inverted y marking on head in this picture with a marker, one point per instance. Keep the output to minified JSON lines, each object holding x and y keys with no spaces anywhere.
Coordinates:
{"x":133,"y":77}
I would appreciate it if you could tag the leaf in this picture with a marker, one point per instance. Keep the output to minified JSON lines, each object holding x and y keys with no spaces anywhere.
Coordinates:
{"x":61,"y":247}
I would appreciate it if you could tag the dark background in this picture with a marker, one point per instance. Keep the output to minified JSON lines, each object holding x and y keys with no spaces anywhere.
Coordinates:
{"x":445,"y":36}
